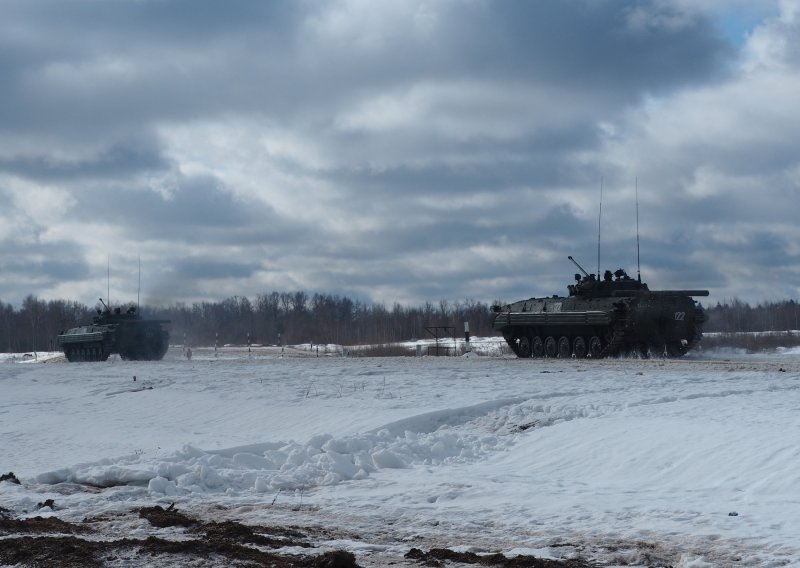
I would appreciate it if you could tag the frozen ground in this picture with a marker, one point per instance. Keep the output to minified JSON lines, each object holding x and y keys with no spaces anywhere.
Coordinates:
{"x":693,"y":462}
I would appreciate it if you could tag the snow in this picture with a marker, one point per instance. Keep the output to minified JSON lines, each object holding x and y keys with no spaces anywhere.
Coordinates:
{"x":620,"y":461}
{"x":32,"y":357}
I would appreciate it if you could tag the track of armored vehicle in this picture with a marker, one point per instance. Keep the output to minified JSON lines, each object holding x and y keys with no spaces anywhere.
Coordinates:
{"x":615,"y":316}
{"x":125,"y":333}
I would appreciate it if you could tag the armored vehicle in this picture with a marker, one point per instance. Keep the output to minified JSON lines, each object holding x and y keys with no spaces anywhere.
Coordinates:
{"x":617,"y":315}
{"x":120,"y":332}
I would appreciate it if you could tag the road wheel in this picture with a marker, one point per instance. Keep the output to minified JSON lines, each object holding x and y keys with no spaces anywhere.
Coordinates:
{"x":579,"y":347}
{"x":550,"y":347}
{"x":675,"y":350}
{"x":595,"y":347}
{"x":564,"y":347}
{"x":537,"y":347}
{"x":523,"y":346}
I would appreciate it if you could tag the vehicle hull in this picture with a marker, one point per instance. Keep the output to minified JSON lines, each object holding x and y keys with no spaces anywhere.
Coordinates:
{"x":643,"y":323}
{"x":132,"y":338}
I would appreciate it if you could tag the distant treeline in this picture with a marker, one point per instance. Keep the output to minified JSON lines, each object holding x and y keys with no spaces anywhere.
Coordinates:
{"x":319,"y":318}
{"x":734,"y":316}
{"x":323,"y":318}
{"x":288,"y":318}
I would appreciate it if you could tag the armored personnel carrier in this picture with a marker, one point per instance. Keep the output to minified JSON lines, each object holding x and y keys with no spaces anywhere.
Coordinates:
{"x":115,"y":331}
{"x":617,"y":315}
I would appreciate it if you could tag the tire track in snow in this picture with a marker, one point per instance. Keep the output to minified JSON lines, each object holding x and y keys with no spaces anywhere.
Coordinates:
{"x":432,"y":421}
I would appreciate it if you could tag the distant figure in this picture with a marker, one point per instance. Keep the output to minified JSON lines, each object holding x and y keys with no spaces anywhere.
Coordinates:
{"x":189,"y":353}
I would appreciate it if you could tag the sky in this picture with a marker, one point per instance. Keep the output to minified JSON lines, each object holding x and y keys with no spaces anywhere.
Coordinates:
{"x":396,"y":151}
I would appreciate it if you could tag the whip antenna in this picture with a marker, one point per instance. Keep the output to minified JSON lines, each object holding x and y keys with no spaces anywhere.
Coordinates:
{"x":638,"y":259}
{"x":599,"y":217}
{"x":139,"y":287}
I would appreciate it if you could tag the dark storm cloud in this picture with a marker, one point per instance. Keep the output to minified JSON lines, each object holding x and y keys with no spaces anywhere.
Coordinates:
{"x":459,"y":229}
{"x":586,"y":45}
{"x":94,"y":62}
{"x":200,"y":210}
{"x":544,"y":165}
{"x":99,"y":62}
{"x":192,"y":268}
{"x":27,"y":268}
{"x":762,"y":250}
{"x":116,"y":160}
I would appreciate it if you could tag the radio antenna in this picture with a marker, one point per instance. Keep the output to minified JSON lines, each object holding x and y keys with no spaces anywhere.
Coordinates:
{"x":599,"y":217}
{"x":638,"y":258}
{"x":139,"y":287}
{"x":108,"y":278}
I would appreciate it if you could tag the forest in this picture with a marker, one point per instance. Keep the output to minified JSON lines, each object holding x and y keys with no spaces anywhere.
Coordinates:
{"x":289,"y":318}
{"x":271,"y":319}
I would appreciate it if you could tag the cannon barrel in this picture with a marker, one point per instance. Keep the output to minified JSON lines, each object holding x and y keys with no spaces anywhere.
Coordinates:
{"x":575,"y":262}
{"x":623,"y":293}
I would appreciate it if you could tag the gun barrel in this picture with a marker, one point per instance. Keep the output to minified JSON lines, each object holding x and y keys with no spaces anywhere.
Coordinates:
{"x":622,"y":293}
{"x":682,"y":292}
{"x":575,"y":262}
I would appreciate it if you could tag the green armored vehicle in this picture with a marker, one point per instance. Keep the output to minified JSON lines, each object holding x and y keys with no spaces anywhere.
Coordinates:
{"x":120,"y":332}
{"x":615,"y":316}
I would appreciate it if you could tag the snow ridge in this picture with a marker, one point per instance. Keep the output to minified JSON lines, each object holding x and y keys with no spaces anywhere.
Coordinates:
{"x":432,"y":438}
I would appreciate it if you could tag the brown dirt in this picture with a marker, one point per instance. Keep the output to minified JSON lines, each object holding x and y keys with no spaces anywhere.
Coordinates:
{"x":233,"y":531}
{"x":438,"y":557}
{"x":162,"y":518}
{"x":51,"y":542}
{"x":40,"y":525}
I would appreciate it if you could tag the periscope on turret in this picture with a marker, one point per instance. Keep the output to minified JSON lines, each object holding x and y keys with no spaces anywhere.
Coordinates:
{"x":617,"y":315}
{"x":115,"y":331}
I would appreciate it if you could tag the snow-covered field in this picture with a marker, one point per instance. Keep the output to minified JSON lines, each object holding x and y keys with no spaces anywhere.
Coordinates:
{"x":693,"y":462}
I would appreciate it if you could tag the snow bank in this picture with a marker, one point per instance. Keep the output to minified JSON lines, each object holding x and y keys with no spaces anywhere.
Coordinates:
{"x":434,"y":438}
{"x":31,"y":357}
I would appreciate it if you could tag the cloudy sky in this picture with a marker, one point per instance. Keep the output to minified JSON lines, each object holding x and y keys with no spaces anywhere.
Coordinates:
{"x":397,"y":151}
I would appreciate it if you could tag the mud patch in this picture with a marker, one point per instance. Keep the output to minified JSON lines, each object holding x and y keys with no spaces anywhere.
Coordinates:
{"x":439,"y":557}
{"x":163,"y":518}
{"x":69,"y":552}
{"x":60,"y":551}
{"x":231,"y":531}
{"x":40,"y":525}
{"x":54,"y":542}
